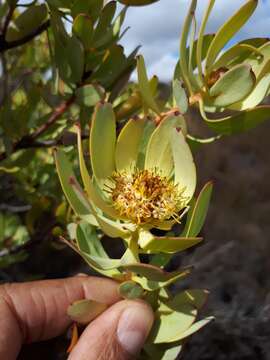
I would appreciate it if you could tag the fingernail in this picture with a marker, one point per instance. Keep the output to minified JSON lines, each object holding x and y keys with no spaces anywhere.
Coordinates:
{"x":133,"y":327}
{"x":81,"y":275}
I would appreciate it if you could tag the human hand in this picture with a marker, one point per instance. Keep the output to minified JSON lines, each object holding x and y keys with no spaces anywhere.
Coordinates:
{"x":36,"y":311}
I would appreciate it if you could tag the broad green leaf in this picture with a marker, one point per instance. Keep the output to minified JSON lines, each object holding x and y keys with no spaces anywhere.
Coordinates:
{"x":27,"y":22}
{"x":103,"y":28}
{"x":162,"y":351}
{"x":159,"y":153}
{"x":168,"y":245}
{"x":89,"y":95}
{"x":258,"y":94}
{"x":184,"y":167}
{"x":198,"y":211}
{"x":240,"y":122}
{"x":169,"y":326}
{"x":265,"y":70}
{"x":129,"y":107}
{"x":153,"y":273}
{"x":239,"y":51}
{"x":145,"y":87}
{"x":127,"y":146}
{"x":113,"y":64}
{"x":84,"y":311}
{"x":195,"y":297}
{"x":152,"y":285}
{"x":130,"y":290}
{"x":75,"y":55}
{"x":228,"y":30}
{"x":180,"y":96}
{"x":233,"y":86}
{"x":207,"y":39}
{"x":137,"y":2}
{"x":115,"y":229}
{"x":66,"y":176}
{"x":102,"y":142}
{"x":152,"y":244}
{"x":89,"y":7}
{"x":83,"y":29}
{"x":160,"y":259}
{"x":260,"y":65}
{"x":93,"y":191}
{"x":101,"y":263}
{"x":196,"y":327}
{"x":91,"y":249}
{"x":88,"y":240}
{"x":147,"y":132}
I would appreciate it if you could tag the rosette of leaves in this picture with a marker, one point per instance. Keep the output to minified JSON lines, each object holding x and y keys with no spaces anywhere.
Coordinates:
{"x":228,"y":84}
{"x":140,"y":180}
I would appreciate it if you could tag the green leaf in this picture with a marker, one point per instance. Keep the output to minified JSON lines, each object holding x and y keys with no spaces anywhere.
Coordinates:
{"x":144,"y":86}
{"x":196,"y":327}
{"x":83,"y":29}
{"x":147,"y":132}
{"x":75,"y":54}
{"x":195,"y":297}
{"x":169,"y":326}
{"x":240,"y":122}
{"x":154,"y":273}
{"x":84,"y":311}
{"x":184,"y":167}
{"x":255,"y":97}
{"x":236,"y":54}
{"x":127,"y":146}
{"x":162,"y":351}
{"x":27,"y":22}
{"x":91,"y":249}
{"x":228,"y":30}
{"x":66,"y":176}
{"x":207,"y":39}
{"x":94,"y":193}
{"x":198,"y":211}
{"x":102,"y":142}
{"x":104,"y":28}
{"x":169,"y":245}
{"x":159,"y":153}
{"x":111,"y":67}
{"x":89,"y":95}
{"x":180,"y":96}
{"x":233,"y":86}
{"x":100,"y":263}
{"x":89,"y":7}
{"x":88,"y":240}
{"x":130,"y":290}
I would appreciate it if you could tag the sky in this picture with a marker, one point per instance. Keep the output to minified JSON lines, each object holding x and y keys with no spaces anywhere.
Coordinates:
{"x":157,"y":29}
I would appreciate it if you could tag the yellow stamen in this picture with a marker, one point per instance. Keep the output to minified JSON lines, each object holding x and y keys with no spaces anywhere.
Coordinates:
{"x":145,"y":196}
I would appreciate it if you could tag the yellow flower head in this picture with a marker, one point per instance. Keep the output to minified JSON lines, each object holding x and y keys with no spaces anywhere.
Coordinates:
{"x":142,"y":179}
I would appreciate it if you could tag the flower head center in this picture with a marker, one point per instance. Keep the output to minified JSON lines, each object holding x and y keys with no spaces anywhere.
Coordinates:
{"x":145,"y":196}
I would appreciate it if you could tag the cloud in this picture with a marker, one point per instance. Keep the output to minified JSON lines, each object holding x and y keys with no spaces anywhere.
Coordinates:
{"x":157,"y":28}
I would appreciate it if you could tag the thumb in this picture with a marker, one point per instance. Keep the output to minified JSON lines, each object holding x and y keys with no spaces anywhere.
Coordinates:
{"x":117,"y":334}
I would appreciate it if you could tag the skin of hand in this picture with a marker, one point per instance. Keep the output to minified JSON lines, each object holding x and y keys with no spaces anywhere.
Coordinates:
{"x":36,"y":311}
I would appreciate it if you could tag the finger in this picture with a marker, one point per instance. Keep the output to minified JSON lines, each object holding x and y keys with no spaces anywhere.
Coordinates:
{"x":117,"y":334}
{"x":37,"y":310}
